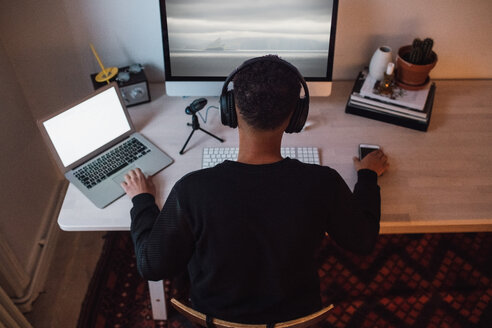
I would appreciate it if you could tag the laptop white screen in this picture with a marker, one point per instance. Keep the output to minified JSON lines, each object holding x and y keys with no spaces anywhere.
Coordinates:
{"x":82,"y":129}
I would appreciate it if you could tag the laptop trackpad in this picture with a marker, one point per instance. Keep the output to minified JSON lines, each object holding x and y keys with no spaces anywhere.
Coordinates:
{"x":120,"y":177}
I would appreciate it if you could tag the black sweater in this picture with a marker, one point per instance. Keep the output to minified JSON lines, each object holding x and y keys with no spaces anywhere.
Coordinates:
{"x":248,"y":235}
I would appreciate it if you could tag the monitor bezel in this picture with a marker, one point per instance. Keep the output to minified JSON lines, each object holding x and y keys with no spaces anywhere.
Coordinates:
{"x":167,"y":60}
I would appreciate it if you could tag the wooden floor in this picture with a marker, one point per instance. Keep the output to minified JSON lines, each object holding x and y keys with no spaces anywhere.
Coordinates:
{"x":74,"y":262}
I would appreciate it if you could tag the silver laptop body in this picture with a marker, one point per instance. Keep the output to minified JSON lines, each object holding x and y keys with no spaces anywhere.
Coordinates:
{"x":95,"y":144}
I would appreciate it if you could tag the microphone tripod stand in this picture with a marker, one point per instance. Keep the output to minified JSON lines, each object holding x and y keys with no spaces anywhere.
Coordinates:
{"x":195,"y":125}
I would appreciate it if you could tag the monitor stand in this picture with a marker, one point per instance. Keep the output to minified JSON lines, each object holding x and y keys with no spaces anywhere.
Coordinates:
{"x":319,"y":89}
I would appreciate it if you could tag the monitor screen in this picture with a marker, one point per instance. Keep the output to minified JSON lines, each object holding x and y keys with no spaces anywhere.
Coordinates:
{"x":205,"y":40}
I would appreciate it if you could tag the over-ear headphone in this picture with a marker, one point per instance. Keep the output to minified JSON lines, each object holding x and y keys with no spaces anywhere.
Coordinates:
{"x":228,"y":108}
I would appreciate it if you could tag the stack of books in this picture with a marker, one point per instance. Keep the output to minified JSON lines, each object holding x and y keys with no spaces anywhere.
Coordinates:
{"x":408,"y":108}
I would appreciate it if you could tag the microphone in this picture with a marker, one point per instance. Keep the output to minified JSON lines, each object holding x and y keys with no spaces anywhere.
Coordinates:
{"x":195,"y":106}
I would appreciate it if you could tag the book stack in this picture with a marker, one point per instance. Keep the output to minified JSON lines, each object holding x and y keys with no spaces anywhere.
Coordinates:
{"x":408,"y":108}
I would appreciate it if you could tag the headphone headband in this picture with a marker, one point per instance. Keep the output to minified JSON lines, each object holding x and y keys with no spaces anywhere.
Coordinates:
{"x":270,"y":59}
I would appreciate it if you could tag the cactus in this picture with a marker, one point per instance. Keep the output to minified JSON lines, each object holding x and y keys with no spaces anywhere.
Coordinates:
{"x":417,"y":43}
{"x":421,"y":52}
{"x":415,"y":56}
{"x":427,"y":51}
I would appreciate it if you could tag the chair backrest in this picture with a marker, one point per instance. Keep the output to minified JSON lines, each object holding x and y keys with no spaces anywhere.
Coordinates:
{"x":201,"y":319}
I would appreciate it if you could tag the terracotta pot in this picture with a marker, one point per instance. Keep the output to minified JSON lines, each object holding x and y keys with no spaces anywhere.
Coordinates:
{"x":412,"y":76}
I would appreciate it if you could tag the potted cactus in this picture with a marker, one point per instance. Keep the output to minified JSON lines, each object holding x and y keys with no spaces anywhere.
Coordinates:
{"x":414,"y":62}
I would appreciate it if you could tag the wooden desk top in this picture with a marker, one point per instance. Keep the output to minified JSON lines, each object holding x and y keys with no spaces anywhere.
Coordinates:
{"x":438,"y":181}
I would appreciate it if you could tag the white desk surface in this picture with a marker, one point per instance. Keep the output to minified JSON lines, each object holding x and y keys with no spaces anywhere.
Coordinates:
{"x":438,"y":181}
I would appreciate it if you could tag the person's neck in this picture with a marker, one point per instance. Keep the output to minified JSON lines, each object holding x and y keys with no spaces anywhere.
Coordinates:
{"x":259,"y":147}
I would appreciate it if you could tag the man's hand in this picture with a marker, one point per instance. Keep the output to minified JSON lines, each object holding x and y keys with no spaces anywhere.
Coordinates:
{"x":375,"y":161}
{"x":136,"y":183}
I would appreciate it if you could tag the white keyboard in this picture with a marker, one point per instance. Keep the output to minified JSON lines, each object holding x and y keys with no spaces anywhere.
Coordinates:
{"x":214,"y":155}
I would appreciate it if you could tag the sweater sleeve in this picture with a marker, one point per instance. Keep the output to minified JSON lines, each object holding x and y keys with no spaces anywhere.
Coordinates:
{"x":163,"y":240}
{"x":354,"y":219}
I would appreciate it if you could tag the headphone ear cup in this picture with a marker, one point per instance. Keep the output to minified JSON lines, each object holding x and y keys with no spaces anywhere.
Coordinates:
{"x":299,"y":116}
{"x":293,"y":119}
{"x":228,"y":109}
{"x":232,"y":109}
{"x":223,"y":109}
{"x":304,"y":104}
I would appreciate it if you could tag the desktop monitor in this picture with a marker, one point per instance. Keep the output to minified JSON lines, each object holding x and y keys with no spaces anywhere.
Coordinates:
{"x":205,"y":40}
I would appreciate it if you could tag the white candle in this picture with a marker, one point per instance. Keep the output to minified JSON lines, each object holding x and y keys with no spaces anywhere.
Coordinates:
{"x":390,"y":68}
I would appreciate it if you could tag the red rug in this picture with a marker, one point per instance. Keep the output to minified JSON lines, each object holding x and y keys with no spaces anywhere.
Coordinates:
{"x":415,"y":280}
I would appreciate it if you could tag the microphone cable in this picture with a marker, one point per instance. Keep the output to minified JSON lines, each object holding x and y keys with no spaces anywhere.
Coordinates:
{"x":204,"y":119}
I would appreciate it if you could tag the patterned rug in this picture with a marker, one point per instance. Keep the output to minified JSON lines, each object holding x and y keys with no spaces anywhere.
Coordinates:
{"x":413,"y":280}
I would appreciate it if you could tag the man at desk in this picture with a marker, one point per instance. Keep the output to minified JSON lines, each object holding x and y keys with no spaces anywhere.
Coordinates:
{"x":247,"y":231}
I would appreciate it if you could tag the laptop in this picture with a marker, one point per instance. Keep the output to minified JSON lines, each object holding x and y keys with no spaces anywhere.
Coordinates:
{"x":94,"y":143}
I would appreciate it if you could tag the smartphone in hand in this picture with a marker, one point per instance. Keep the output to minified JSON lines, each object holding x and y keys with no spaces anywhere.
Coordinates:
{"x":365,"y":149}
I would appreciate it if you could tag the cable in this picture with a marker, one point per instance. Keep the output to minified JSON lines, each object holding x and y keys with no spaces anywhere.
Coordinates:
{"x":206,"y":113}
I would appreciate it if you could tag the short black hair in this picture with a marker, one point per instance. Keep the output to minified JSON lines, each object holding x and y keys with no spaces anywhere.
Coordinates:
{"x":266,"y":93}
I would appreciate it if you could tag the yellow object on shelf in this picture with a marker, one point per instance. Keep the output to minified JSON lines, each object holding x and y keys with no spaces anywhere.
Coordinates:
{"x":106,"y":73}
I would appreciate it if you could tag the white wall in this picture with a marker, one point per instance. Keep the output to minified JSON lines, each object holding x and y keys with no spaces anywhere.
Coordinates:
{"x":29,"y":179}
{"x":38,"y":40}
{"x":123,"y":32}
{"x":460,"y":29}
{"x":129,"y":31}
{"x":47,"y":41}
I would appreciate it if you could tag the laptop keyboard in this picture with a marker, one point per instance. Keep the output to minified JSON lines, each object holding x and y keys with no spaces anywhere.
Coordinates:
{"x":111,"y":162}
{"x":212,"y":156}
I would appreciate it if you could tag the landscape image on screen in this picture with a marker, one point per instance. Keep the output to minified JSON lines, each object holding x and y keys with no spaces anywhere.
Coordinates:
{"x":209,"y":38}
